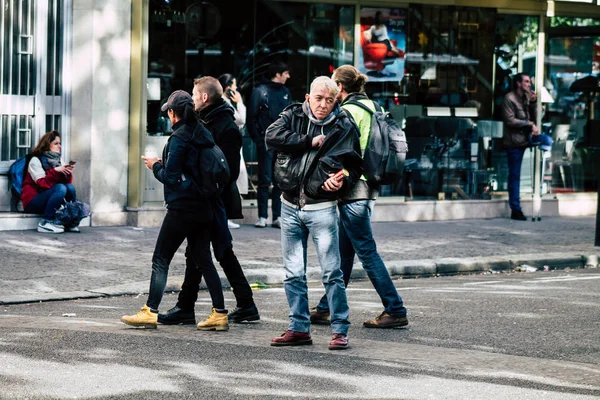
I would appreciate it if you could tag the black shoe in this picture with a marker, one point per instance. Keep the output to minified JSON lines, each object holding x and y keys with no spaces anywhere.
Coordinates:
{"x":176,"y":316}
{"x":518,"y":215}
{"x":247,"y":314}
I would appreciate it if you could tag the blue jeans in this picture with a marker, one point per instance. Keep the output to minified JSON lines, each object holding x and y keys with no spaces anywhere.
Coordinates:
{"x":50,"y":200}
{"x":515,"y":158}
{"x":356,"y":237}
{"x":266,"y":162}
{"x":323,"y":226}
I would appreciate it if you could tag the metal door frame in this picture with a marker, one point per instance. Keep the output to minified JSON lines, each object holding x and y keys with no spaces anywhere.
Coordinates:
{"x":39,"y":104}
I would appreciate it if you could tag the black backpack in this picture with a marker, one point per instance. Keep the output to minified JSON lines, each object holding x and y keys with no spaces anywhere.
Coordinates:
{"x":210,"y":171}
{"x":386,"y":148}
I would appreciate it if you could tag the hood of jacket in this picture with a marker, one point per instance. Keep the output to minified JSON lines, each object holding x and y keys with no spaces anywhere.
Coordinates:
{"x":213,"y":111}
{"x":197,"y":135}
{"x":355,"y":97}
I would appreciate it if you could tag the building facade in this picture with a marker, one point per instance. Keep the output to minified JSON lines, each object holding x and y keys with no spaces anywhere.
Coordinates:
{"x":98,"y":72}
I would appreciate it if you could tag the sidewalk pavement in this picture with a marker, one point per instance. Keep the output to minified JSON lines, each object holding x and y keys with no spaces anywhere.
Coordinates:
{"x":117,"y":260}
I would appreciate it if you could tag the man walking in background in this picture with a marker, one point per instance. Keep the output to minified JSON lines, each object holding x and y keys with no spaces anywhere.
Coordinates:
{"x":355,"y":209}
{"x":267,"y":101}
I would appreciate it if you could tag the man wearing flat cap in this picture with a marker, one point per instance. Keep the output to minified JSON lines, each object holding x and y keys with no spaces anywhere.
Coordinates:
{"x":189,"y":215}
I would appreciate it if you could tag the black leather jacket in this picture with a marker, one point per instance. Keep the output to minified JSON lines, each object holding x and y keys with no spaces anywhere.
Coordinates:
{"x":301,"y":181}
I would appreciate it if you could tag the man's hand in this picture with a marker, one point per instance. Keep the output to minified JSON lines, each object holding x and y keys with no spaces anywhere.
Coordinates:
{"x":532,"y":96}
{"x":332,"y":184}
{"x":318,"y":141}
{"x":534,"y":130}
{"x":150,"y":161}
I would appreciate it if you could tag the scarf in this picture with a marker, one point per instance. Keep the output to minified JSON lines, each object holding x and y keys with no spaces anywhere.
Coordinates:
{"x":50,"y":159}
{"x":320,"y":122}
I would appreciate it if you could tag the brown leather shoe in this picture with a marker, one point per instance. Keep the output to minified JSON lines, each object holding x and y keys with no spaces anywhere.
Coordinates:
{"x":319,"y":318}
{"x":386,"y":321}
{"x":292,"y":338}
{"x":339,"y":341}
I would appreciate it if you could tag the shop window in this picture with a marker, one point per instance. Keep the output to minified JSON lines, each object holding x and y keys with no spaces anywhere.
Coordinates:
{"x":572,"y":68}
{"x":439,"y":91}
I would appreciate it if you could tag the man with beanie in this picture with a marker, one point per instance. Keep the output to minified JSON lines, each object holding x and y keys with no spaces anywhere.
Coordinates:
{"x":217,"y":116}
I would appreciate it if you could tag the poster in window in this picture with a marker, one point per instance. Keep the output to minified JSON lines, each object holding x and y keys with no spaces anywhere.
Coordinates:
{"x":382,"y":43}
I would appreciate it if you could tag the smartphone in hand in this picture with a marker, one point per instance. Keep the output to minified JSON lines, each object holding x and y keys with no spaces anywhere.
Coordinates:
{"x":72,"y":162}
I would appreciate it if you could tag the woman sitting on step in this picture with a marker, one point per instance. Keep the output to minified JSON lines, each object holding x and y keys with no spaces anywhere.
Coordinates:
{"x":47,"y":184}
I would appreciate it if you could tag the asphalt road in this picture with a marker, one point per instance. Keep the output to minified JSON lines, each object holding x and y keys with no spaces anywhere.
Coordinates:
{"x":493,"y":336}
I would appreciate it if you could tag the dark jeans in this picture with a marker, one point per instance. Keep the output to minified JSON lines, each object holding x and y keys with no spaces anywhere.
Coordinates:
{"x":223,"y":249}
{"x":515,"y":158}
{"x":266,"y":162}
{"x":176,"y":227}
{"x":356,"y":237}
{"x":48,"y":201}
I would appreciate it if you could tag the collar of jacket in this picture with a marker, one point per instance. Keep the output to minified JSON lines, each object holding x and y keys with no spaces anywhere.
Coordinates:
{"x":297,"y":110}
{"x":355,"y":97}
{"x":213,"y":111}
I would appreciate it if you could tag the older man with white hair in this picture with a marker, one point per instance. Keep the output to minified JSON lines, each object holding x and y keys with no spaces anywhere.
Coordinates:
{"x":318,"y":161}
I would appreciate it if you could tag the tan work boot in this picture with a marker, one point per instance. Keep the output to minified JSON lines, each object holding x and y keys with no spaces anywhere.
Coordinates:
{"x":144,"y":318}
{"x":216,"y":321}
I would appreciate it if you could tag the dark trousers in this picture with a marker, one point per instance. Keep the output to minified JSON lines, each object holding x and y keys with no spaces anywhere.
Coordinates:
{"x":176,"y":227}
{"x":48,"y":201}
{"x":223,"y":249}
{"x":515,"y":158}
{"x":266,"y":162}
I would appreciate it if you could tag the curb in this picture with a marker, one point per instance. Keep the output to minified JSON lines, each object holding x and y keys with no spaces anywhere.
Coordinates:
{"x":274,"y":277}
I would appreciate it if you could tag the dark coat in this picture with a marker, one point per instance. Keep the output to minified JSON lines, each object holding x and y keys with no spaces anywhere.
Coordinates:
{"x":220,"y":121}
{"x":267,"y":101}
{"x":174,"y":173}
{"x":341,"y":149}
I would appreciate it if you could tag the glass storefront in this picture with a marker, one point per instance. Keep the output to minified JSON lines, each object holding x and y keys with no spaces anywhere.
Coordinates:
{"x":443,"y":73}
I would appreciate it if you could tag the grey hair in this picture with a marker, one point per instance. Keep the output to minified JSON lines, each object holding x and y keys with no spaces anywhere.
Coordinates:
{"x":324,"y":82}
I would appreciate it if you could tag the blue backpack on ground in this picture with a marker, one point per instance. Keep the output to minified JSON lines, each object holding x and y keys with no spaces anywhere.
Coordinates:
{"x":384,"y":156}
{"x":16,"y":176}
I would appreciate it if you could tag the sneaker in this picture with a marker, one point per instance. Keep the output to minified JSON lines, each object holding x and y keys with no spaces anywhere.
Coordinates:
{"x":247,"y":314}
{"x":318,"y":317}
{"x":232,"y":225}
{"x":216,"y":321}
{"x":177,"y":316}
{"x":518,"y":216}
{"x":261,"y":223}
{"x":277,"y":223}
{"x":292,"y":338}
{"x":49,"y":227}
{"x":73,"y":229}
{"x":144,"y":318}
{"x":386,"y":321}
{"x":339,"y":341}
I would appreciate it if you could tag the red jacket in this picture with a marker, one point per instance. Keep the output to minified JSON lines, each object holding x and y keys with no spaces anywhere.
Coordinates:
{"x":31,"y":188}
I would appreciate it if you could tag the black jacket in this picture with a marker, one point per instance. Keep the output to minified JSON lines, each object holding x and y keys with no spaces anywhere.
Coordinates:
{"x":301,"y":183}
{"x":267,"y":101}
{"x":220,"y":121}
{"x":174,"y":173}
